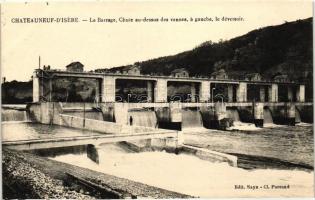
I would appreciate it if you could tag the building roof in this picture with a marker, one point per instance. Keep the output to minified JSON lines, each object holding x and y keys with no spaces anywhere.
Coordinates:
{"x":129,"y":67}
{"x":75,"y":64}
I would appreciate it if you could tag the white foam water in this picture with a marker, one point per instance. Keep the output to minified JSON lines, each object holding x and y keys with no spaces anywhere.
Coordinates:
{"x":194,"y":129}
{"x":190,"y":175}
{"x":272,"y":125}
{"x":303,"y":124}
{"x":242,"y":126}
{"x":143,"y":118}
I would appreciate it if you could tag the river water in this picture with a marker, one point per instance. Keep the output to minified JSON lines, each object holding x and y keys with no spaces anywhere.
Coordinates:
{"x":288,"y":143}
{"x":190,"y":175}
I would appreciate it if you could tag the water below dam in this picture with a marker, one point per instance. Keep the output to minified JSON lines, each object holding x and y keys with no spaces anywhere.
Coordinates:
{"x":187,"y":173}
{"x":190,"y":175}
{"x":288,"y":143}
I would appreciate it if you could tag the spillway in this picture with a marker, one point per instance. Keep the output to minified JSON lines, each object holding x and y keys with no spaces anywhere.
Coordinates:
{"x":191,"y":119}
{"x":267,"y":116}
{"x":232,"y":113}
{"x":14,"y":115}
{"x":145,"y":118}
{"x":297,"y":116}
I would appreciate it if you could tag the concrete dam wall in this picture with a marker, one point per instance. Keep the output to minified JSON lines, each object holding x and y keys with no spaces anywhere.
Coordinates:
{"x":174,"y":117}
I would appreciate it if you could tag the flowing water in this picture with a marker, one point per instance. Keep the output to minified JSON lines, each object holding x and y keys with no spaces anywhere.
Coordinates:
{"x":191,"y":119}
{"x":288,"y":143}
{"x":267,"y":116}
{"x":297,"y":116}
{"x":14,"y":115}
{"x":142,"y":118}
{"x":233,"y":114}
{"x":190,"y":175}
{"x":187,"y":173}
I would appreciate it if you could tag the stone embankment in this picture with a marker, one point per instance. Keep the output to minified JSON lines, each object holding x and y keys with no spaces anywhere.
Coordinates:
{"x":29,"y":176}
{"x":23,"y":180}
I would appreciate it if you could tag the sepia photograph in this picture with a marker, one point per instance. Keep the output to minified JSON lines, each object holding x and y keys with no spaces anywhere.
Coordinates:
{"x":157,"y":99}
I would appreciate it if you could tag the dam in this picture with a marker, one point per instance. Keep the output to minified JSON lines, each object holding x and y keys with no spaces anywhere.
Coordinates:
{"x":171,"y":99}
{"x":108,"y":134}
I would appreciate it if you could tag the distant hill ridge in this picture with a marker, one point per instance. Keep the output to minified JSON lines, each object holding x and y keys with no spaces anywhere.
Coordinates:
{"x":273,"y":50}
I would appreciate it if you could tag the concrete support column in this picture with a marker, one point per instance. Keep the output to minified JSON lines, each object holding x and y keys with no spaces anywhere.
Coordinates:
{"x":204,"y":93}
{"x":193,"y":92}
{"x":290,"y":94}
{"x":50,"y":89}
{"x":160,"y":90}
{"x":262,"y":95}
{"x":97,"y":92}
{"x":108,"y":89}
{"x":273,"y":93}
{"x":241,"y":92}
{"x":220,"y":111}
{"x":36,"y":88}
{"x":92,"y":153}
{"x":230,"y":93}
{"x":175,"y":111}
{"x":259,"y":114}
{"x":300,"y":93}
{"x":121,"y":113}
{"x":290,"y":114}
{"x":149,"y":91}
{"x":220,"y":116}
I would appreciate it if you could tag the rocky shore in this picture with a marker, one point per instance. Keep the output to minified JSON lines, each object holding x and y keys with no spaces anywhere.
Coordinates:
{"x":22,"y":180}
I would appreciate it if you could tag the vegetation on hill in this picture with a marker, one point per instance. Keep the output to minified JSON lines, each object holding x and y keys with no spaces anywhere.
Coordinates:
{"x":282,"y":49}
{"x":16,"y":92}
{"x":285,"y":49}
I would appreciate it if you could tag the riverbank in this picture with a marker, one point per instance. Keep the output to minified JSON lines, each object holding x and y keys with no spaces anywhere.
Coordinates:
{"x":28,"y":176}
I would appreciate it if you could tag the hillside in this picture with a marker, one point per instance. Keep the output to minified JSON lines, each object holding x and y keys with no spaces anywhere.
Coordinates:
{"x":285,"y":49}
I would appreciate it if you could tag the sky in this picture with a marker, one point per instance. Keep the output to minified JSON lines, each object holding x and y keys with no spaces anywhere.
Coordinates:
{"x":103,"y":45}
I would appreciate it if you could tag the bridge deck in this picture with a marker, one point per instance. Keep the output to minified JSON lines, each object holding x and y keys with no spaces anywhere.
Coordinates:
{"x":61,"y":73}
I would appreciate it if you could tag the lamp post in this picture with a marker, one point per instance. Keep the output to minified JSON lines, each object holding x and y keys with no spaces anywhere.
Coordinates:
{"x":190,"y":97}
{"x":212,"y":100}
{"x":212,"y":94}
{"x":128,"y":97}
